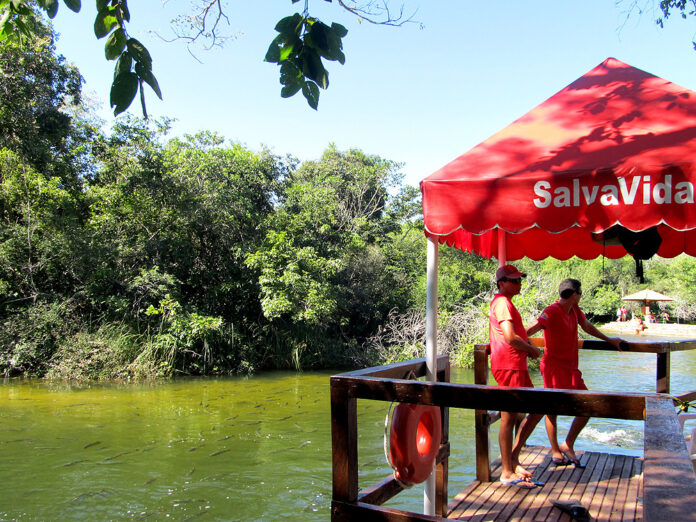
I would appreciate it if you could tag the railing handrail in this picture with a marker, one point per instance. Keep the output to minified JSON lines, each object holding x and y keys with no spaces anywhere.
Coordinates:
{"x":612,"y":405}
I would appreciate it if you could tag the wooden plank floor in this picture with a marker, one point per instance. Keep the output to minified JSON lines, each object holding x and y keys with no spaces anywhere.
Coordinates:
{"x":610,"y":487}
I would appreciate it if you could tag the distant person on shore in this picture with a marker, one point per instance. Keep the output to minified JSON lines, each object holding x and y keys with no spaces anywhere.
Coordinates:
{"x":624,"y":314}
{"x":619,"y":314}
{"x":559,"y":365}
{"x":509,"y":351}
{"x":665,"y":317}
{"x":640,"y":326}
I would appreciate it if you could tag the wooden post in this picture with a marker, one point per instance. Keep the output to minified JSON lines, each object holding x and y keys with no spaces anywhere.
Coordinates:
{"x":663,"y":372}
{"x":344,"y":443}
{"x":483,"y":464}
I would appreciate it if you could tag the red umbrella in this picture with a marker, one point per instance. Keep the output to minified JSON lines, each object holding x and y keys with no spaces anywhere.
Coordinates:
{"x":611,"y":153}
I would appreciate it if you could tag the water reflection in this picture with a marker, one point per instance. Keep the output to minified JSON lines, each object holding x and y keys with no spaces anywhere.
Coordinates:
{"x":235,"y":448}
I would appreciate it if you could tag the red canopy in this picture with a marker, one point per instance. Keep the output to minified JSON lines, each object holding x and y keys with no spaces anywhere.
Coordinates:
{"x":617,"y":146}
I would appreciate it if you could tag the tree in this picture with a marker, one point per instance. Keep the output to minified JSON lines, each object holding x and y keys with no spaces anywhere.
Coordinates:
{"x":326,"y":268}
{"x":684,"y":8}
{"x":37,"y":90}
{"x":304,"y":41}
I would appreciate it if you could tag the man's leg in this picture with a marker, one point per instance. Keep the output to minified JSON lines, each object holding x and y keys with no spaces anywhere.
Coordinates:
{"x":552,"y":432}
{"x":575,"y":428}
{"x":525,"y":430}
{"x":507,"y":423}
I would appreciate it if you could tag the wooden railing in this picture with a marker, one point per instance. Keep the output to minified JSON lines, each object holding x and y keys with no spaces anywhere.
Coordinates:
{"x":669,"y":483}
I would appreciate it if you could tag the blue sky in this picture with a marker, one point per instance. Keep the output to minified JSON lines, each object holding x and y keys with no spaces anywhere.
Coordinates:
{"x":417,"y":96}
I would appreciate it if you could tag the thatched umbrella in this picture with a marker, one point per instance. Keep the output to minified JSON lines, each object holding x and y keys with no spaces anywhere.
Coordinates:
{"x":647,"y":296}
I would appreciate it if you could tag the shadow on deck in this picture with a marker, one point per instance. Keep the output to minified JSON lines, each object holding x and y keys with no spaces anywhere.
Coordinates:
{"x":612,"y":486}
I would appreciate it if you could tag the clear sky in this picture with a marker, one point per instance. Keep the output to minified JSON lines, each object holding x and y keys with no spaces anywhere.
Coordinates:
{"x":417,"y":96}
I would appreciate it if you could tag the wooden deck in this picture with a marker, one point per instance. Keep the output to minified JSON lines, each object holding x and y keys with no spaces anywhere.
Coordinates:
{"x":609,"y":487}
{"x":659,"y":486}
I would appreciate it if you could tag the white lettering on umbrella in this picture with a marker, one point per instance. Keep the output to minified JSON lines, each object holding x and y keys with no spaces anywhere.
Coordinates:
{"x":665,"y":192}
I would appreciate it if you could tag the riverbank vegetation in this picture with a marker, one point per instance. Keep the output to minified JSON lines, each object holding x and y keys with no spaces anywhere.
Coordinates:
{"x":127,"y":253}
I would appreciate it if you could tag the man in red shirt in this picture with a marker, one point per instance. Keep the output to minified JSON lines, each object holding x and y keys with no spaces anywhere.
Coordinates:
{"x":509,"y":351}
{"x":559,"y":365}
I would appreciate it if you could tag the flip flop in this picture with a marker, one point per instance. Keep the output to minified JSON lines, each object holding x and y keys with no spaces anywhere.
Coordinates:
{"x":576,"y":463}
{"x":562,"y":461}
{"x":529,"y":484}
{"x":521,"y":483}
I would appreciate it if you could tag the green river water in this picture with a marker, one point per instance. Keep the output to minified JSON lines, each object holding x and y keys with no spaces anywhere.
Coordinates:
{"x":256,"y":448}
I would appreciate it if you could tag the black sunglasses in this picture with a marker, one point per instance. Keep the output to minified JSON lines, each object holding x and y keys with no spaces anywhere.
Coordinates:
{"x":517,"y":280}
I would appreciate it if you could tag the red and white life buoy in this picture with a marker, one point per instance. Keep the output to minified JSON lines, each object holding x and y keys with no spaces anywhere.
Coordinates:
{"x":414,"y":441}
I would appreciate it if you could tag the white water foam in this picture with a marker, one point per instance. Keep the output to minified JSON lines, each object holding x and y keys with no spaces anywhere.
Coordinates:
{"x":617,"y":437}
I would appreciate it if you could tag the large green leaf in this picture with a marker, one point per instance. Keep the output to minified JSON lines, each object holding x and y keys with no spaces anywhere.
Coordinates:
{"x":73,"y":5}
{"x":139,"y":53}
{"x":314,"y":69}
{"x":289,"y":73}
{"x":123,"y":91}
{"x":273,"y":53}
{"x":319,"y":36}
{"x":290,"y":24}
{"x":115,"y":44}
{"x":125,"y":13}
{"x":311,"y":92}
{"x":51,"y":8}
{"x":124,"y":64}
{"x":104,"y":22}
{"x":290,"y":90}
{"x":283,"y":47}
{"x":339,"y":29}
{"x":146,"y":75}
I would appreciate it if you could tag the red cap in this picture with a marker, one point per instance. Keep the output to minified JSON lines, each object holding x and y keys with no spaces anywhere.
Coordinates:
{"x":509,"y":272}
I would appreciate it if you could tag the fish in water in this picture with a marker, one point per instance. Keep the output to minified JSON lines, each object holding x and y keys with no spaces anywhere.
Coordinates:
{"x":75,"y":462}
{"x":216,"y":453}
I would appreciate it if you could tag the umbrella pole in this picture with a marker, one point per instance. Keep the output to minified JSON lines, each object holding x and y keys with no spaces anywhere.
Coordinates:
{"x":431,"y":351}
{"x":502,"y":247}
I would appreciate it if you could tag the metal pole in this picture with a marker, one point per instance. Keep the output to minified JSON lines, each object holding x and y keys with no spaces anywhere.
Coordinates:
{"x":431,"y":351}
{"x":502,"y":247}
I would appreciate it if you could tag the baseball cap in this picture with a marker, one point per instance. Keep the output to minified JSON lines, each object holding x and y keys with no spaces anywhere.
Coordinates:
{"x":508,"y":271}
{"x":569,"y":284}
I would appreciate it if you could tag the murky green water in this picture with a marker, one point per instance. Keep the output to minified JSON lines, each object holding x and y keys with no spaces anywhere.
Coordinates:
{"x":232,"y":448}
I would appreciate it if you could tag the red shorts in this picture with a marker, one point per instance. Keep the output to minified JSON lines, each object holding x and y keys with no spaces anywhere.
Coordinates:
{"x":558,"y":377}
{"x":518,"y":378}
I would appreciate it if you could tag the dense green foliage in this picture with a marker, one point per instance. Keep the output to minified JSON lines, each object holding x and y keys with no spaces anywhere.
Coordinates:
{"x":130,"y":254}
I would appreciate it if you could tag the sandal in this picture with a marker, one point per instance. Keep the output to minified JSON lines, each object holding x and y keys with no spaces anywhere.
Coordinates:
{"x":561,"y":461}
{"x":575,"y":462}
{"x":521,"y":483}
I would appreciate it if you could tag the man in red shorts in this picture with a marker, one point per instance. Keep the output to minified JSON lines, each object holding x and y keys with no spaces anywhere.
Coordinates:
{"x":559,"y":365}
{"x":509,"y":351}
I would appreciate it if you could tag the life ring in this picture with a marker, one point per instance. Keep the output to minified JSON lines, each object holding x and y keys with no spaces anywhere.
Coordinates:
{"x":414,"y":441}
